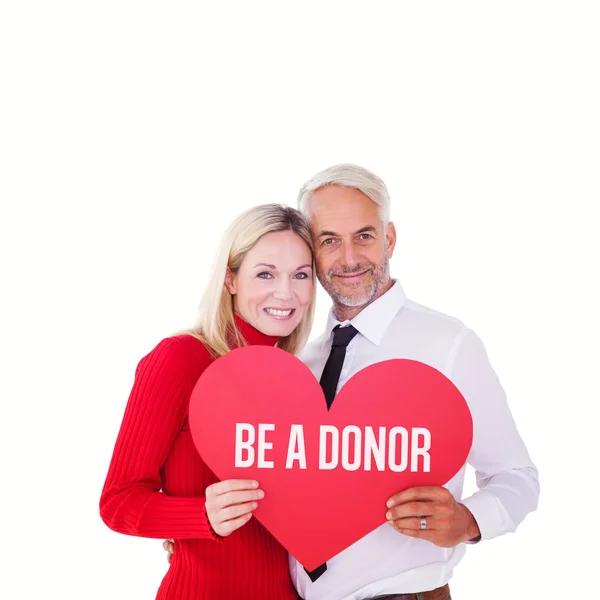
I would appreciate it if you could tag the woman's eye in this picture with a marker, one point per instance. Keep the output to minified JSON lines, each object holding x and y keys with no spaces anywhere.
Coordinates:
{"x":301,"y":276}
{"x":265,"y":275}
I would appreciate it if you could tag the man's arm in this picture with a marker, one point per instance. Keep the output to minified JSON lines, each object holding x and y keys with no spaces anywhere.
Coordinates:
{"x":506,"y":477}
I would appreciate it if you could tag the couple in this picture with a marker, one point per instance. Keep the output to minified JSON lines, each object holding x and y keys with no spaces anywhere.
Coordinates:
{"x":262,"y":291}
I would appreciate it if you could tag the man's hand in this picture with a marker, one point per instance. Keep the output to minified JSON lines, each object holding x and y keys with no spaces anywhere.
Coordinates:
{"x":448,"y":522}
{"x":169,"y":546}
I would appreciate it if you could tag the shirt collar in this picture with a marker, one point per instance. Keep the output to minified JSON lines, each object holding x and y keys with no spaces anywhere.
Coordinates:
{"x":373,"y":321}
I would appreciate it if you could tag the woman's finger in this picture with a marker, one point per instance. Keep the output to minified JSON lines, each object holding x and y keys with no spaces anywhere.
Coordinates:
{"x":230,"y":526}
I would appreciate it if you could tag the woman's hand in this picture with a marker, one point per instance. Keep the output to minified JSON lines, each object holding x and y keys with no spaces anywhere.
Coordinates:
{"x":229,"y":504}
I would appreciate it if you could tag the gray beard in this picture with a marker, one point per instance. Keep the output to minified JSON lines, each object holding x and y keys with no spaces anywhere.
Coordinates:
{"x":380,"y":278}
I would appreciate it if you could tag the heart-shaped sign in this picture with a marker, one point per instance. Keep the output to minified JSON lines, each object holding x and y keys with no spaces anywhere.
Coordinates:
{"x":327,"y":474}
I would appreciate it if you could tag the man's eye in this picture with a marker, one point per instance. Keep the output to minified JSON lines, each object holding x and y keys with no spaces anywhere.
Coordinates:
{"x":328,"y":241}
{"x":265,"y":275}
{"x":365,"y":236}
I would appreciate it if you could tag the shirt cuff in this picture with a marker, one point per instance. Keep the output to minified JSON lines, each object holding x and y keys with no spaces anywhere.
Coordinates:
{"x":489,"y":514}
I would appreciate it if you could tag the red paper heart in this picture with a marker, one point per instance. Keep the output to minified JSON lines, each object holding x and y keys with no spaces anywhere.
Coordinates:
{"x":318,"y":513}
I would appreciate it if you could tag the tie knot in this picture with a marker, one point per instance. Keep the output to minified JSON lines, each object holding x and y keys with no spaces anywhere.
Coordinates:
{"x":342,"y":336}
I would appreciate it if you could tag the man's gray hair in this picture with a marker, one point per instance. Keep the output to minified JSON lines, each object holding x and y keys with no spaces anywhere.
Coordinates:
{"x":351,"y":176}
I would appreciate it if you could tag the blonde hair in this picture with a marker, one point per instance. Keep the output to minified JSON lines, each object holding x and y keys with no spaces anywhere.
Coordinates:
{"x":215,"y":323}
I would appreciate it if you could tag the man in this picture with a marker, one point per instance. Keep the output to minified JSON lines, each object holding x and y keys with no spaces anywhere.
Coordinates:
{"x":413,"y":555}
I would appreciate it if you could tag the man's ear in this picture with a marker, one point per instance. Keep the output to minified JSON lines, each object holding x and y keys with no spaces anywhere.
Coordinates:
{"x":390,"y":237}
{"x":230,"y":282}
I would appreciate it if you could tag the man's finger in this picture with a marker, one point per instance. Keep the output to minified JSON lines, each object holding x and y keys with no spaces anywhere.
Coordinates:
{"x":410,"y":509}
{"x":425,"y":493}
{"x":412,"y":524}
{"x":423,"y":534}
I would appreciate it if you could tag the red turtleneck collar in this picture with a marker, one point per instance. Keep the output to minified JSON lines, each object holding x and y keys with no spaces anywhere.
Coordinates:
{"x":252,"y":335}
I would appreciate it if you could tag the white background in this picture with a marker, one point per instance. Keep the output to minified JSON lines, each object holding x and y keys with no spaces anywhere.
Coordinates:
{"x":131,"y":133}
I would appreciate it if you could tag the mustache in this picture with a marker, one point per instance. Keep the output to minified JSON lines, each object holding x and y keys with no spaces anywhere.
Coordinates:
{"x":351,"y":270}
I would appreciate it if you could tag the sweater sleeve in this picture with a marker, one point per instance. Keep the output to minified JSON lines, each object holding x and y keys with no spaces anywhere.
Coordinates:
{"x":131,"y":501}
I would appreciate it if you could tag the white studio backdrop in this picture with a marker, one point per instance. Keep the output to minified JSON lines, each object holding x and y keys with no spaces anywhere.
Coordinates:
{"x":131,"y":133}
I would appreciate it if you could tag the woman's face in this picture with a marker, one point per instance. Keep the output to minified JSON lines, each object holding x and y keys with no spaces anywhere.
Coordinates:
{"x":273,"y":287}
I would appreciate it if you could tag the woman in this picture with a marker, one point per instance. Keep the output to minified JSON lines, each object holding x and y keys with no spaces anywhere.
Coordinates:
{"x":262,"y":292}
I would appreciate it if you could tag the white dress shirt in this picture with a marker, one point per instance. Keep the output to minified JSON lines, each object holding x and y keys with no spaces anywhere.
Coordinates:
{"x":385,"y":561}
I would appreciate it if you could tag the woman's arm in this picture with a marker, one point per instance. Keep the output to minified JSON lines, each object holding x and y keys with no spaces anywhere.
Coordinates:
{"x":131,"y":501}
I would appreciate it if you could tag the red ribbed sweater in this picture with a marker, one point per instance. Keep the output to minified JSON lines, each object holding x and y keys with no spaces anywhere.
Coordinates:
{"x":156,"y":484}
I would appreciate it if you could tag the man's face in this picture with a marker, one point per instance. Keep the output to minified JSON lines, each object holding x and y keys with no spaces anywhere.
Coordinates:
{"x":351,"y":245}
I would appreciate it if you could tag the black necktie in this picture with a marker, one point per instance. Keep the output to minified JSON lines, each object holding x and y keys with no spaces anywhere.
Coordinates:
{"x":333,"y":367}
{"x":329,"y":382}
